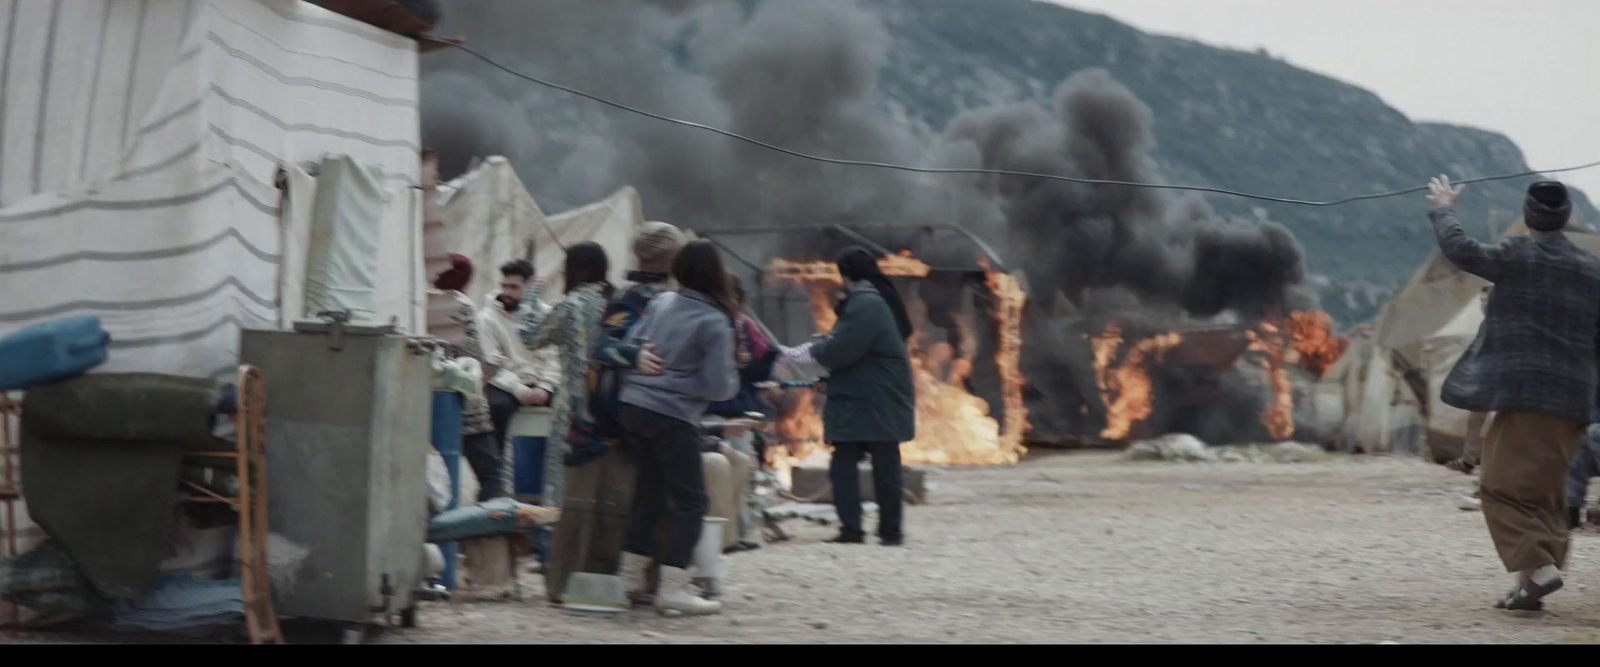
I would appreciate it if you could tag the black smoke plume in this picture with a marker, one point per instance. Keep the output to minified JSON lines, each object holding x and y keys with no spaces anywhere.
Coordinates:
{"x":804,"y":74}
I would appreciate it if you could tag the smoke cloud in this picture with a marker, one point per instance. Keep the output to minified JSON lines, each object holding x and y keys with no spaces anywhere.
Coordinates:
{"x":804,"y":75}
{"x":1166,"y":250}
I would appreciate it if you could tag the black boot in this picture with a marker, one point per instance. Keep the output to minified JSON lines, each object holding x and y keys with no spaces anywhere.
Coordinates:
{"x":1574,"y":518}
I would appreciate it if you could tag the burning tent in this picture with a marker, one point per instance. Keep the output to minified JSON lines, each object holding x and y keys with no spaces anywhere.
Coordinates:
{"x":1228,"y":382}
{"x":965,"y":351}
{"x":1192,"y":371}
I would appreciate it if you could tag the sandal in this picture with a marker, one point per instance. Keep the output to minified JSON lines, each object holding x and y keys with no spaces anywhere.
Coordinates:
{"x":1530,"y":597}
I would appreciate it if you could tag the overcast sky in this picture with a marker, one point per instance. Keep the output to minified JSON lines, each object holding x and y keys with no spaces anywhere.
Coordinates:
{"x":1529,"y":69}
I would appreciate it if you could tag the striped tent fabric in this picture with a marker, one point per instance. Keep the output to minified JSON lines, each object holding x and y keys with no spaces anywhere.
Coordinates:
{"x":140,"y":141}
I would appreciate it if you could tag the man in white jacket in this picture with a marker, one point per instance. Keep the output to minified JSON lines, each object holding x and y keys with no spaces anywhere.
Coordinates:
{"x":521,"y":378}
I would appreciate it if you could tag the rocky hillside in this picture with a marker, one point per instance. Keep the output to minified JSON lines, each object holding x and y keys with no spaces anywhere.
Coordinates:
{"x":1224,"y":118}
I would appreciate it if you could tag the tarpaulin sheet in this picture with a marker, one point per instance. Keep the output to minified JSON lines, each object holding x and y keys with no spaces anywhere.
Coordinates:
{"x":139,"y":142}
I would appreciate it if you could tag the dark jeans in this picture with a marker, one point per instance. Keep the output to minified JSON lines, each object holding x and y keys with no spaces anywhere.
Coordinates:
{"x":502,"y":407}
{"x":843,"y":472}
{"x":483,"y":454}
{"x":668,"y":480}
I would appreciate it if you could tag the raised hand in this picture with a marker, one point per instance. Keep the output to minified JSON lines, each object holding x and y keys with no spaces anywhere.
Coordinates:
{"x":1440,"y":194}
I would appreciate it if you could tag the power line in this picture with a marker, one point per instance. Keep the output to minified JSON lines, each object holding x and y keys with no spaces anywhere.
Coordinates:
{"x":977,"y":171}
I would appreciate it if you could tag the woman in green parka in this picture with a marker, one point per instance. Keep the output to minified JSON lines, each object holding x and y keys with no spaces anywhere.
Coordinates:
{"x":871,"y":406}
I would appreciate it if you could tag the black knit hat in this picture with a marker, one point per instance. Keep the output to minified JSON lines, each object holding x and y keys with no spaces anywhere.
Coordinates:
{"x":1547,"y":207}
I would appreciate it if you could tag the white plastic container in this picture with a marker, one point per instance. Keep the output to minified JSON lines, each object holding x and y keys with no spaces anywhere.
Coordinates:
{"x":708,"y":556}
{"x":435,"y":559}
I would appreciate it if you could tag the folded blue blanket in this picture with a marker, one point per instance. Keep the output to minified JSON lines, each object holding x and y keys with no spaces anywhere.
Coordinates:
{"x":178,"y":601}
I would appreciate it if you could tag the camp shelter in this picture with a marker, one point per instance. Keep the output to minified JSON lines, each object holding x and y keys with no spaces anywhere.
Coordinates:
{"x":490,"y":217}
{"x":1390,"y":379}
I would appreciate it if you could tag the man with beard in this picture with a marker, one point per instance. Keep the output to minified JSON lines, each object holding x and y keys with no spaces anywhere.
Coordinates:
{"x":1534,"y":366}
{"x":524,"y":378}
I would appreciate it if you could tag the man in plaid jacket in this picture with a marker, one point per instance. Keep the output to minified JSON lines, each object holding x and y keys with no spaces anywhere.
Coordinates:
{"x":1534,"y":366}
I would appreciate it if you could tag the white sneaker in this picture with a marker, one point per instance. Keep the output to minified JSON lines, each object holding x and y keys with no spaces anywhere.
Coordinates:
{"x":679,"y":596}
{"x":1470,"y":504}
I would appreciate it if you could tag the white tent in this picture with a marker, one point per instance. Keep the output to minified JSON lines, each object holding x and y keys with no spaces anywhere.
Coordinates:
{"x":139,"y":146}
{"x":1418,"y":337}
{"x":139,"y":143}
{"x":490,"y":217}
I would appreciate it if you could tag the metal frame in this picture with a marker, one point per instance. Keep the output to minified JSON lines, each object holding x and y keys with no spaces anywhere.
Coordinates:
{"x":995,"y":262}
{"x":854,"y":234}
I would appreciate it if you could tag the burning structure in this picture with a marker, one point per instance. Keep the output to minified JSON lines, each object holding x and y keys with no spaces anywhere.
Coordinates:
{"x":1185,"y":371}
{"x":950,"y":358}
{"x":1123,"y":283}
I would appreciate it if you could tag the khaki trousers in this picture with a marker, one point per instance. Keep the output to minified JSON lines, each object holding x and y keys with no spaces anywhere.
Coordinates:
{"x":1522,"y":485}
{"x":1474,"y":447}
{"x":727,"y":477}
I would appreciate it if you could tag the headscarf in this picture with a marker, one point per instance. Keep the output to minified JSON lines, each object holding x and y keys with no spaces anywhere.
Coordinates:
{"x":1547,"y":207}
{"x":457,"y":276}
{"x":857,"y":263}
{"x":656,"y":246}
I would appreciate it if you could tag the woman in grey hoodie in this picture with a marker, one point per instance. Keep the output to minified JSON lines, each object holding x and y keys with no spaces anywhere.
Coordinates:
{"x":660,"y":414}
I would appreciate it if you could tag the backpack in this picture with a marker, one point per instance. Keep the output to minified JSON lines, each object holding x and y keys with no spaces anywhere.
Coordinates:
{"x":604,"y":380}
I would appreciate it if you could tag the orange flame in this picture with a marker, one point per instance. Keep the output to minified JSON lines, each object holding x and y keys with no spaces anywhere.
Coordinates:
{"x":1278,"y":416}
{"x":1010,"y":300}
{"x":953,"y":426}
{"x":1315,"y":344}
{"x":1125,"y":388}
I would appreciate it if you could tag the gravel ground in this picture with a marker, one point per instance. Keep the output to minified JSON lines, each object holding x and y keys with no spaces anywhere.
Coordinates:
{"x":1091,"y":548}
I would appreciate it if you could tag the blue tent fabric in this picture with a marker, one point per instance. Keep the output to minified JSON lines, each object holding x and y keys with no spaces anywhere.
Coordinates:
{"x":179,"y":601}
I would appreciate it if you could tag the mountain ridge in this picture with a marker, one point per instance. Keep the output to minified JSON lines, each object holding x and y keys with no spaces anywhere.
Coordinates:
{"x":1226,"y":118}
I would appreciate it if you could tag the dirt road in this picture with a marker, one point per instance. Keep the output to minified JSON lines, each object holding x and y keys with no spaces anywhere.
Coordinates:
{"x":1089,"y":548}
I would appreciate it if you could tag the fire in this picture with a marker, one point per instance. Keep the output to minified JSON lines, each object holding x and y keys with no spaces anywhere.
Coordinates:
{"x":1010,"y":300}
{"x":822,"y":278}
{"x":1278,"y":416}
{"x":802,"y":427}
{"x":1315,"y":344}
{"x":901,"y":264}
{"x":953,"y":426}
{"x":1125,"y":389}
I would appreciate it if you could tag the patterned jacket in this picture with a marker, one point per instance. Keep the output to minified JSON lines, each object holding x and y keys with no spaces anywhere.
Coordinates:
{"x":573,"y":326}
{"x":1536,"y":350}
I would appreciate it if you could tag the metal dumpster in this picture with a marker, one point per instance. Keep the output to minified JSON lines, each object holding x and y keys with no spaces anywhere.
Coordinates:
{"x":347,"y":448}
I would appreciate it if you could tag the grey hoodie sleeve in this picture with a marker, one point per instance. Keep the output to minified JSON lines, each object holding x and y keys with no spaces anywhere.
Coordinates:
{"x":719,"y":375}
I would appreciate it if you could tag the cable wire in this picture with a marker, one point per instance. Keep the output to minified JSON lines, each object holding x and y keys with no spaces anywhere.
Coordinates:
{"x":979,"y":171}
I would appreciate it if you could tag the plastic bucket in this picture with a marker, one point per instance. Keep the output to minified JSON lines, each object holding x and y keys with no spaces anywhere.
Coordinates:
{"x":708,"y":552}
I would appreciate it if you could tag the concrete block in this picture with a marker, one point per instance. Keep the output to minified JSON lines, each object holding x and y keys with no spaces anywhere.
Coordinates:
{"x":810,"y":484}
